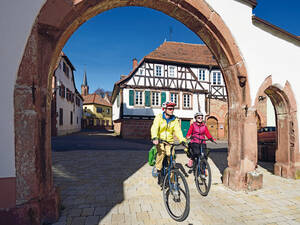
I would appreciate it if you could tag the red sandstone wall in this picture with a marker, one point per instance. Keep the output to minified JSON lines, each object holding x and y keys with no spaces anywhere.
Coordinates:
{"x":139,"y":129}
{"x":219,"y":109}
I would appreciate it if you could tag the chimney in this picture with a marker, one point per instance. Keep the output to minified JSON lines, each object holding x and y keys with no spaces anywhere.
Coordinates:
{"x":106,"y":96}
{"x":134,"y":63}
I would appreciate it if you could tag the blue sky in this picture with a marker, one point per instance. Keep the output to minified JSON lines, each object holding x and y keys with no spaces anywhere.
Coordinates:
{"x":105,"y":45}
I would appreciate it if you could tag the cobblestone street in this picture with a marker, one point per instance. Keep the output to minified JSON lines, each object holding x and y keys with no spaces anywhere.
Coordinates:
{"x":107,"y":180}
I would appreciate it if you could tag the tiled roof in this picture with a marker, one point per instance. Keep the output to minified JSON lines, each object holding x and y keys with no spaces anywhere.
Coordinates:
{"x":180,"y":52}
{"x":95,"y":99}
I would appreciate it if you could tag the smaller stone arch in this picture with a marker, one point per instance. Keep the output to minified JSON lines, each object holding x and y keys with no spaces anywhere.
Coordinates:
{"x":287,"y":158}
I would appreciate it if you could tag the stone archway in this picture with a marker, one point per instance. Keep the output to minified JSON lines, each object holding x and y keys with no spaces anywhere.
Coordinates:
{"x":56,"y":22}
{"x":287,"y":158}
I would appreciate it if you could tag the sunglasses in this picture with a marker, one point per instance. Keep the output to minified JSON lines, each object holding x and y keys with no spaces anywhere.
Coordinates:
{"x":199,"y":117}
{"x":171,"y":109}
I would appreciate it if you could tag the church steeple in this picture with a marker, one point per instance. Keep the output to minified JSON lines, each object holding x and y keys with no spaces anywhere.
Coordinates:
{"x":84,"y":86}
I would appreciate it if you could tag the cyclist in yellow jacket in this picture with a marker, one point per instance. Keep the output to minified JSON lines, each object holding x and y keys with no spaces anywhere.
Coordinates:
{"x":164,"y":126}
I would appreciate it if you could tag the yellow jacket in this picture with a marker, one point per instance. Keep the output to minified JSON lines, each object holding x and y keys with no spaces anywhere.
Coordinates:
{"x":162,"y":130}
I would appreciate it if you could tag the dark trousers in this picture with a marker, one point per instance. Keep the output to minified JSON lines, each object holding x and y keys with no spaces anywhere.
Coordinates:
{"x":195,"y":150}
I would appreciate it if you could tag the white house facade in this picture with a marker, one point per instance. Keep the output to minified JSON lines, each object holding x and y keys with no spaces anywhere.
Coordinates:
{"x":67,"y":102}
{"x":172,"y":72}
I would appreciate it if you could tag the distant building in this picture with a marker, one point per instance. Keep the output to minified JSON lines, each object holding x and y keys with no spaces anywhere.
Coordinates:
{"x":186,"y":74}
{"x":66,"y":113}
{"x":97,"y":111}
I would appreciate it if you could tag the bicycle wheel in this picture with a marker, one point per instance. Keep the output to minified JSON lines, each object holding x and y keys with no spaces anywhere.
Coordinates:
{"x":176,"y":195}
{"x":203,"y":177}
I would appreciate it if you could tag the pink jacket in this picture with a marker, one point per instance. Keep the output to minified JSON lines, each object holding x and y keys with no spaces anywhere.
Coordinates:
{"x":199,"y":131}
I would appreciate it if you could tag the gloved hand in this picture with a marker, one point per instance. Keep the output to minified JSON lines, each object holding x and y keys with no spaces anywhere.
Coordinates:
{"x":212,"y":140}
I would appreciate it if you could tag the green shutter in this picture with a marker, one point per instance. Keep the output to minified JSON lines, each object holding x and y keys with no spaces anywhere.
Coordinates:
{"x":147,"y":98}
{"x":163,"y":97}
{"x":131,"y":97}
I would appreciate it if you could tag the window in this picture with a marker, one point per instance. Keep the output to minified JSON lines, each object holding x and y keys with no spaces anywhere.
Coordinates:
{"x":155,"y":99}
{"x":61,"y":116}
{"x":66,"y":69}
{"x":219,"y":78}
{"x":99,"y":110}
{"x":186,"y":101}
{"x":172,"y":71}
{"x":62,"y":91}
{"x":107,"y":122}
{"x":141,"y":71}
{"x":158,"y":70}
{"x":71,"y":117}
{"x":214,"y":78}
{"x":201,"y":74}
{"x":174,"y":98}
{"x":107,"y":111}
{"x":138,"y":98}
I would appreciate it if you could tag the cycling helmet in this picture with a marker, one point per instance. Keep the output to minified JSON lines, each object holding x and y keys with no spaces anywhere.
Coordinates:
{"x":198,"y":114}
{"x":168,"y":104}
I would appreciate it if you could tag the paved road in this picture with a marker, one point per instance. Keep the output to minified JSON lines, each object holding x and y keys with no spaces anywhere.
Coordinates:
{"x":106,"y":180}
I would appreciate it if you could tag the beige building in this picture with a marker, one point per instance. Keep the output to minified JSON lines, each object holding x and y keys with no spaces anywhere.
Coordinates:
{"x":97,"y":111}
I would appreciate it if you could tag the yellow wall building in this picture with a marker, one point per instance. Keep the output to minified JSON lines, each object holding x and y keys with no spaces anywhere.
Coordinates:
{"x":97,"y":112}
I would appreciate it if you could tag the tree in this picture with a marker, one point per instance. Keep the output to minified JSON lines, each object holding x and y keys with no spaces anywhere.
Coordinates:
{"x":102,"y":92}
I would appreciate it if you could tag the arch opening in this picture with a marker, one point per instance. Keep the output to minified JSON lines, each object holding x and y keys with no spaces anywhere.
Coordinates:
{"x":49,"y":35}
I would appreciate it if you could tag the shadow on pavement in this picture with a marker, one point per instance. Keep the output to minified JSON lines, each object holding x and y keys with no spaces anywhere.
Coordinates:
{"x":90,"y":169}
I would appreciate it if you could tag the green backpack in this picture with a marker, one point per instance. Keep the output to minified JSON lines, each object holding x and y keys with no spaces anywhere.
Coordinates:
{"x":152,"y":155}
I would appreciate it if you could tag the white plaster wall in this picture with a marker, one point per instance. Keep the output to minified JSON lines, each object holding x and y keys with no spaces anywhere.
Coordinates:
{"x":264,"y":53}
{"x":271,"y":120}
{"x":116,"y":109}
{"x":16,"y":20}
{"x":67,"y":106}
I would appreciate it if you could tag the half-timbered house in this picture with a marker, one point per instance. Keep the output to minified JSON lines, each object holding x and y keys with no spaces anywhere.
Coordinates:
{"x":186,"y":74}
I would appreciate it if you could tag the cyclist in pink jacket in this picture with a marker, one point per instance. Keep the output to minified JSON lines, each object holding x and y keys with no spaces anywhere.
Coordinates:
{"x":197,"y":131}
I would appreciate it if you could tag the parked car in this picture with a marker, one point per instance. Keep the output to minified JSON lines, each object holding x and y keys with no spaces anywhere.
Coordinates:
{"x":266,"y":134}
{"x":266,"y":137}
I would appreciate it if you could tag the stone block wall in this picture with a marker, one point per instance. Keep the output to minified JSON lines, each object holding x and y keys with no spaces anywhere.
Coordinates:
{"x":136,"y":129}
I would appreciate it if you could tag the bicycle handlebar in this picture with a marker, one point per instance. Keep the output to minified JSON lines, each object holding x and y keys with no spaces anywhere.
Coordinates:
{"x":202,"y":140}
{"x":173,"y":144}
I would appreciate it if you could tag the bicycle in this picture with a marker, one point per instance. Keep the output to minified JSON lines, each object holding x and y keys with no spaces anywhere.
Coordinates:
{"x":176,"y":193}
{"x":201,"y":170}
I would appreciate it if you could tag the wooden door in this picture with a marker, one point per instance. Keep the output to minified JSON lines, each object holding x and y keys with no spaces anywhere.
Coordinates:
{"x":185,"y":125}
{"x":212,"y":125}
